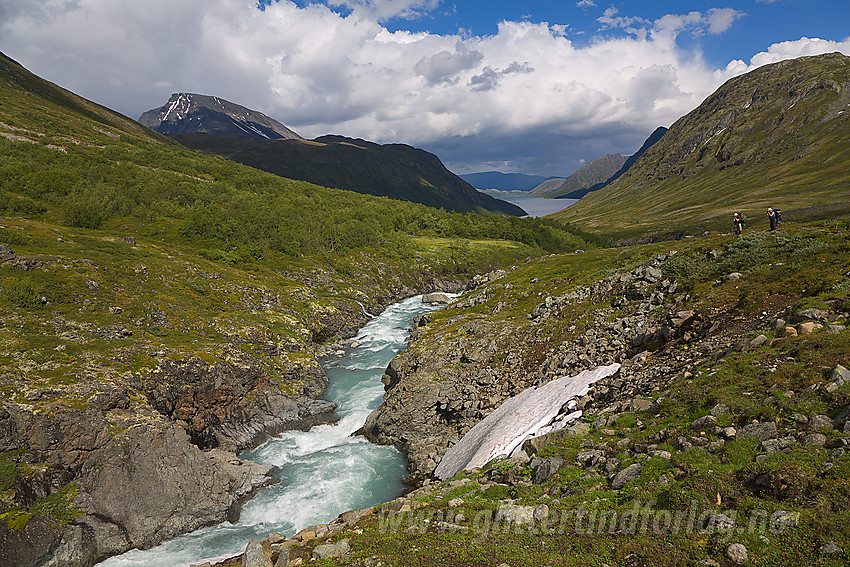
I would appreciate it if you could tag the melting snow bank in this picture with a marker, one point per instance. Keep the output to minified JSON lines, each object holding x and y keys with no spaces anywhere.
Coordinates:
{"x":535,"y":411}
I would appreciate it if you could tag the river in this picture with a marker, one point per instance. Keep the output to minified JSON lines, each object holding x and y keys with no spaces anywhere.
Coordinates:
{"x":324,"y":471}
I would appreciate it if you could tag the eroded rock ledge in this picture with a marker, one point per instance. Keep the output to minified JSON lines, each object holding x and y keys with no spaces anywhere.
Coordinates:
{"x":136,"y":458}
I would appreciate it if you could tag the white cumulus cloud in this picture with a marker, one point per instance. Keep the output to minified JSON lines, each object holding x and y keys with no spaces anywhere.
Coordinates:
{"x":526,"y":98}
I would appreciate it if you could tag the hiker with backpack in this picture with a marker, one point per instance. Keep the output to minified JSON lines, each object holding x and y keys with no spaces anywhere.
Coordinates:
{"x":739,"y":221}
{"x":775,"y":217}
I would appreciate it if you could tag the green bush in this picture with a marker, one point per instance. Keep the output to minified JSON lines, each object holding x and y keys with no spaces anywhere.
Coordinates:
{"x":22,"y":292}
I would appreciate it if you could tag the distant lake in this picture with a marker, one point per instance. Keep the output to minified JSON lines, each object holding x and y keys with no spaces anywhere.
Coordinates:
{"x":537,"y":207}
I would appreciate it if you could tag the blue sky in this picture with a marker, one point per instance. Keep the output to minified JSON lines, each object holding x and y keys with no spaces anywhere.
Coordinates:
{"x":758,"y":24}
{"x":537,"y":86}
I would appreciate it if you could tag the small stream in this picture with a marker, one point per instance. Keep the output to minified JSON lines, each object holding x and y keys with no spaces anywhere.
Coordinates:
{"x":324,"y":471}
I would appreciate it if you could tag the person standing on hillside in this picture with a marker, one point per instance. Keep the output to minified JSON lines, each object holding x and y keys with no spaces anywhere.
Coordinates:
{"x":772,"y":218}
{"x":738,"y":221}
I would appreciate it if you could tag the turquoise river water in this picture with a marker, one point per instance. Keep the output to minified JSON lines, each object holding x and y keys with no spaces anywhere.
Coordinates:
{"x":324,"y":471}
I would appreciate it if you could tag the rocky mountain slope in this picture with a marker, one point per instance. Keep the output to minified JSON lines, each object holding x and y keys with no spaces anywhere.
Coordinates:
{"x":392,"y":170}
{"x":593,"y":173}
{"x":188,"y":112}
{"x":775,"y":137}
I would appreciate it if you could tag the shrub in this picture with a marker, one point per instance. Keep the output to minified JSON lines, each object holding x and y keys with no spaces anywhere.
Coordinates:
{"x":22,"y":292}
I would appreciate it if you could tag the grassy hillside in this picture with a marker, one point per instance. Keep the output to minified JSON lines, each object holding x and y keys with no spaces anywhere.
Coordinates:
{"x":69,"y":161}
{"x":680,"y":416}
{"x":392,"y":170}
{"x":776,"y":137}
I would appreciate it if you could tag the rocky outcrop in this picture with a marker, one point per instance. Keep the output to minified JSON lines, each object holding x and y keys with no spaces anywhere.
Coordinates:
{"x":437,"y":390}
{"x":450,"y":379}
{"x":233,"y":403}
{"x":129,"y":459}
{"x":136,"y":477}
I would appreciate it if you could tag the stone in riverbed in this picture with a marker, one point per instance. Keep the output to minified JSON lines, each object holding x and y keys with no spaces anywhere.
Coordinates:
{"x":436,"y":298}
{"x":255,"y":556}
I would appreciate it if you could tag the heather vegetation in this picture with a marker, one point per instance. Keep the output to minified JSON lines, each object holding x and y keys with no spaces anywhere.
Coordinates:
{"x":239,"y":211}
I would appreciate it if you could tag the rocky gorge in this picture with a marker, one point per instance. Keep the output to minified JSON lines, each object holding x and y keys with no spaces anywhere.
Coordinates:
{"x":120,"y":429}
{"x":448,"y":381}
{"x":730,"y":404}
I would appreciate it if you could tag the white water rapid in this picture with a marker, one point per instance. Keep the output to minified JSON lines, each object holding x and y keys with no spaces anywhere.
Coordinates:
{"x":324,"y":471}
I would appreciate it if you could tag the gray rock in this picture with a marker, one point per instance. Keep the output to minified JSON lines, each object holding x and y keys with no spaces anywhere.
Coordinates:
{"x":640,"y":404}
{"x":737,"y":553}
{"x":6,"y":252}
{"x":514,"y":514}
{"x":255,"y":556}
{"x":733,"y":277}
{"x":543,"y":469}
{"x":283,"y":558}
{"x":719,"y":410}
{"x":625,"y":476}
{"x":840,"y":375}
{"x":760,"y":431}
{"x":436,"y":298}
{"x":719,"y":522}
{"x":758,"y":341}
{"x":811,"y":314}
{"x":703,"y":422}
{"x":816,"y":439}
{"x":34,"y":541}
{"x":541,"y":512}
{"x":830,"y":548}
{"x":819,"y":422}
{"x":651,"y":274}
{"x":590,"y":457}
{"x":331,"y":550}
{"x":775,"y":445}
{"x":681,"y":319}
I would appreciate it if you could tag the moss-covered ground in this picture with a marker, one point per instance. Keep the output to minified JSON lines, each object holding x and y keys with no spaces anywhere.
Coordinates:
{"x":787,"y":505}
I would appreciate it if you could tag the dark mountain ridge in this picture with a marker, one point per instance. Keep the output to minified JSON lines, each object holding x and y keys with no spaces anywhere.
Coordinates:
{"x":189,"y":112}
{"x":397,"y":171}
{"x":216,"y":126}
{"x":595,"y":172}
{"x":630,"y":161}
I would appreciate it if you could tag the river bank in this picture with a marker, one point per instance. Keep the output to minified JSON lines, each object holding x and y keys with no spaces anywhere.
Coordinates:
{"x":128,"y":394}
{"x":323,"y":471}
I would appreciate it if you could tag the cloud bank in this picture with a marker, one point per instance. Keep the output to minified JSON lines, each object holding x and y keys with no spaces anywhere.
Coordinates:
{"x":527,"y":98}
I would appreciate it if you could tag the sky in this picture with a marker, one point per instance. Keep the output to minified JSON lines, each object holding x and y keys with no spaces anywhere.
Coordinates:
{"x":534,"y":86}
